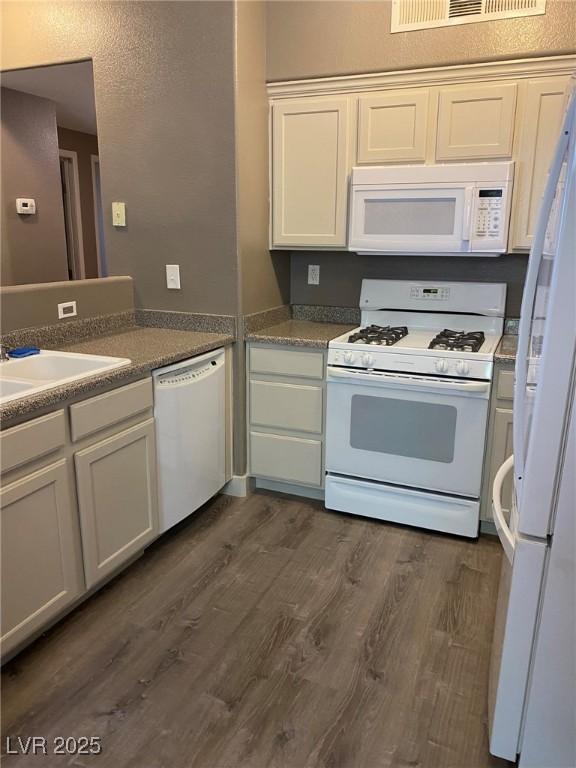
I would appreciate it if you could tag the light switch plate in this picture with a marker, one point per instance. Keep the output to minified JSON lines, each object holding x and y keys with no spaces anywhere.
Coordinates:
{"x":119,"y":214}
{"x":313,"y":274}
{"x":173,"y":276}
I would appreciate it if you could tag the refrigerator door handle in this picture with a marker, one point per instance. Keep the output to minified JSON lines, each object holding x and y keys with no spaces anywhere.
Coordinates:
{"x":504,"y":533}
{"x":530,"y":288}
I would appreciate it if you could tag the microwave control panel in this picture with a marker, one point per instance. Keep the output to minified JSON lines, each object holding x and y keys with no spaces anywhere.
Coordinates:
{"x":490,"y":217}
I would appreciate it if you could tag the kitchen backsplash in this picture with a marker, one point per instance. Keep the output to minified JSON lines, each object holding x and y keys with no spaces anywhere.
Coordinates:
{"x":341,"y":274}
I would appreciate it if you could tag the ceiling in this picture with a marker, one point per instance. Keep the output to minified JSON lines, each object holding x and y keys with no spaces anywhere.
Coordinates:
{"x":70,"y":86}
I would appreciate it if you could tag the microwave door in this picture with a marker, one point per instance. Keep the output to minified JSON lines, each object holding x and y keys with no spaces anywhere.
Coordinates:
{"x":404,"y":219}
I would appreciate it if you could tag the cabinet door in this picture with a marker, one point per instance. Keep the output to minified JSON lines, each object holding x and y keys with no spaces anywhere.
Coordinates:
{"x":117,"y":498}
{"x":41,"y":558}
{"x":543,"y":110}
{"x":310,"y":141}
{"x":392,"y":127}
{"x":501,"y":449}
{"x":476,"y":122}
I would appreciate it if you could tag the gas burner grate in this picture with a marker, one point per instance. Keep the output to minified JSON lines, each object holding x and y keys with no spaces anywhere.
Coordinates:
{"x":380,"y":335}
{"x":460,"y":341}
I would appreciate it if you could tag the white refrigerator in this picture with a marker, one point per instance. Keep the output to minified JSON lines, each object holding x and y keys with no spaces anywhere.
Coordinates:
{"x":532,"y":699}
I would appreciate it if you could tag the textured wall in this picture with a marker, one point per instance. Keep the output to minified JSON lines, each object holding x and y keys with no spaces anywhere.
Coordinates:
{"x":164,"y":91}
{"x":341,"y":274}
{"x":264,"y":277}
{"x":33,"y":247}
{"x":318,"y":39}
{"x":85,"y":145}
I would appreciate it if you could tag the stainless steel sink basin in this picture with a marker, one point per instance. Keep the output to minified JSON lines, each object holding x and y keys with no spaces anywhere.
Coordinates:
{"x":30,"y":375}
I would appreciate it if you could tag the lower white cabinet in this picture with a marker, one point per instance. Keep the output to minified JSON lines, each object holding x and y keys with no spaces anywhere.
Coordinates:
{"x":117,"y":499}
{"x":78,"y":501}
{"x":286,"y":414}
{"x":41,"y":555}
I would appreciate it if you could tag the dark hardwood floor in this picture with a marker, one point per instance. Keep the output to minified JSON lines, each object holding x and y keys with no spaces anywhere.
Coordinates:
{"x":269,"y":632}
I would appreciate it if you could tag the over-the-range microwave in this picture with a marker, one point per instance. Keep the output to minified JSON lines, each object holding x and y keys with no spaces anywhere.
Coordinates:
{"x":431,"y":209}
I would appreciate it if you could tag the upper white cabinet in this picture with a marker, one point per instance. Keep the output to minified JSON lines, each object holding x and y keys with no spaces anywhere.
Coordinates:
{"x":393,"y":126}
{"x":544,"y":102}
{"x":476,"y":122}
{"x":320,"y":129}
{"x":310,"y":166}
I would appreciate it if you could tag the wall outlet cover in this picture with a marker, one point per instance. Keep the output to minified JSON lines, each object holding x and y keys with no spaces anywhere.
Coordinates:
{"x":313,"y":274}
{"x":67,"y":309}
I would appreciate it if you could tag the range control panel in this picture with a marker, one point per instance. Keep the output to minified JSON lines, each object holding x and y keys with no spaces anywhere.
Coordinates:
{"x":430,"y":293}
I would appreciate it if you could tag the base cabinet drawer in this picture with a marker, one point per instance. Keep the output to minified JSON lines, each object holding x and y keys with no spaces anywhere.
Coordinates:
{"x":295,"y":407}
{"x":287,"y":362}
{"x":289,"y":459}
{"x":117,"y":499}
{"x":41,"y":557}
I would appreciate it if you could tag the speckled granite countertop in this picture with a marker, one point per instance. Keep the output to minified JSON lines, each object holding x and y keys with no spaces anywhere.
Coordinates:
{"x":506,"y":351}
{"x":147,"y":348}
{"x":300,"y":333}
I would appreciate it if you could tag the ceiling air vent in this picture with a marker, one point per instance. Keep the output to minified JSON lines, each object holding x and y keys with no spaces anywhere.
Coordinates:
{"x":408,"y":15}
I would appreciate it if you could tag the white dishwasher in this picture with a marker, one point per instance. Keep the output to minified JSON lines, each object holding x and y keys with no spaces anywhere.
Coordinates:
{"x":190,"y":413}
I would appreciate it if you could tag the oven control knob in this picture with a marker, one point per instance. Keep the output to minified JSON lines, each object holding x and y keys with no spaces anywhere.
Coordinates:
{"x":442,"y":365}
{"x":367,"y":359}
{"x":349,"y":358}
{"x":462,"y":367}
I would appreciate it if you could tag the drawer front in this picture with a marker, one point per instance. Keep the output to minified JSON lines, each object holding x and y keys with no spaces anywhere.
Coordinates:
{"x":288,"y":406}
{"x":505,"y":386}
{"x":31,"y":440}
{"x":287,"y":362}
{"x":291,"y":459}
{"x":102,"y":411}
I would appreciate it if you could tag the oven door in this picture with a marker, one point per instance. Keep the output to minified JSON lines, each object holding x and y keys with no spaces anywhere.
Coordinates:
{"x":416,"y":431}
{"x":411,"y":219}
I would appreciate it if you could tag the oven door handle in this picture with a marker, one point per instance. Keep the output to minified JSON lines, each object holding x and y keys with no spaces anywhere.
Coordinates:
{"x":391,"y":380}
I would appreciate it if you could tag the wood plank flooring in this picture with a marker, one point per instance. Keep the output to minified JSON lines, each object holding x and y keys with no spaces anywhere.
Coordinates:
{"x":268,"y":632}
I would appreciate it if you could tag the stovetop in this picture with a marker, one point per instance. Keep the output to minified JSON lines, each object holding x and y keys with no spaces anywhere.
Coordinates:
{"x":424,"y":328}
{"x":378,"y":335}
{"x":447,"y":351}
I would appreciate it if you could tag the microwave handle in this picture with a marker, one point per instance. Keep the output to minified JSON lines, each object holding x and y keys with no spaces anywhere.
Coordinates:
{"x":468,"y":200}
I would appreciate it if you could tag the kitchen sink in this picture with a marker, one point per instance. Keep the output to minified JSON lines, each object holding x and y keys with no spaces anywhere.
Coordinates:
{"x":47,"y":370}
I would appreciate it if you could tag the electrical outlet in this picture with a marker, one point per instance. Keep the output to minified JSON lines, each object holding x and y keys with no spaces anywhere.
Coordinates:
{"x":173,"y":276}
{"x":67,"y":309}
{"x":313,"y":274}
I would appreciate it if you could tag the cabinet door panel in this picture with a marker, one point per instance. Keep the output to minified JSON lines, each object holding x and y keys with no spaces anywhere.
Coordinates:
{"x":544,"y":104}
{"x":41,"y":558}
{"x":392,"y":127}
{"x":310,"y":139}
{"x":117,"y":498}
{"x":476,"y":122}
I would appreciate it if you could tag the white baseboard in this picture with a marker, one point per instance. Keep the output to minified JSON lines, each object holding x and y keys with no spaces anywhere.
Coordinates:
{"x":239,"y":485}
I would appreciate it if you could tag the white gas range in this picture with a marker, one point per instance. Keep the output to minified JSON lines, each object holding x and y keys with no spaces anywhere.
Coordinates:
{"x":408,"y":397}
